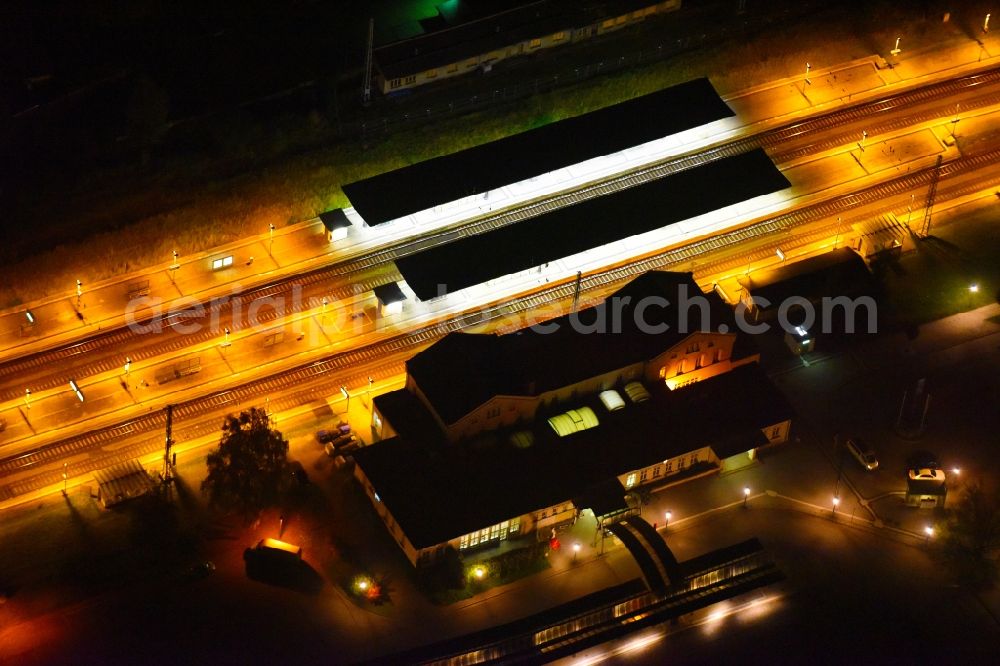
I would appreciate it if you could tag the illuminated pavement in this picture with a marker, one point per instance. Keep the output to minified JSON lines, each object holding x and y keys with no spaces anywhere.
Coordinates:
{"x":295,"y":248}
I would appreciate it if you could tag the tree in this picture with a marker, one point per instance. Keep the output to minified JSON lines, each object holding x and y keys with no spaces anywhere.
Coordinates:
{"x":249,"y":470}
{"x":973,"y":536}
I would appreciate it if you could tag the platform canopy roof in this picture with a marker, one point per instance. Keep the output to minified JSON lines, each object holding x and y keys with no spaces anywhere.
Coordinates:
{"x":542,"y":149}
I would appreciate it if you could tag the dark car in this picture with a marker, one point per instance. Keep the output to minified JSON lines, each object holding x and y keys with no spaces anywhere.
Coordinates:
{"x":324,"y":436}
{"x":199,"y":571}
{"x":922,"y":460}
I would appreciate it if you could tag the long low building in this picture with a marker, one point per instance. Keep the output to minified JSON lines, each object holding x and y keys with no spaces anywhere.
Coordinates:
{"x":461,"y":42}
{"x":496,"y":437}
{"x":541,"y":150}
{"x":590,"y":224}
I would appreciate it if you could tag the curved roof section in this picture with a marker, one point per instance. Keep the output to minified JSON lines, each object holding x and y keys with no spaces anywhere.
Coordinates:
{"x":486,"y":167}
{"x":573,"y":421}
{"x":592,"y":223}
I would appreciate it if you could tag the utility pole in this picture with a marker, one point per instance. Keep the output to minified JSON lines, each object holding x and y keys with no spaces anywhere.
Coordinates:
{"x":366,"y":96}
{"x":576,"y":292}
{"x":168,"y":443}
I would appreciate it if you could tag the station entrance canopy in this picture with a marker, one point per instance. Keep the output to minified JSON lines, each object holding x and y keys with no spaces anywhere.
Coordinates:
{"x":590,"y":224}
{"x":560,"y":144}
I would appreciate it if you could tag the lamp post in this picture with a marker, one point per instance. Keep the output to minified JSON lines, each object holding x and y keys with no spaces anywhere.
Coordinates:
{"x":270,"y":242}
{"x":986,"y":24}
{"x":808,"y":67}
{"x":895,"y":49}
{"x":861,"y":144}
{"x":666,"y":519}
{"x":27,"y":398}
{"x":929,"y":531}
{"x":576,"y":550}
{"x":836,"y":238}
{"x":973,"y":290}
{"x":836,"y":503}
{"x":746,"y":495}
{"x":65,"y":477}
{"x":128,"y":365}
{"x":225,"y":342}
{"x":347,"y":397}
{"x":79,"y":292}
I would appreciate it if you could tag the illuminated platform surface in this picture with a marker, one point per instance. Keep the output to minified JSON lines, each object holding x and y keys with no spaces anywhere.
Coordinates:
{"x":492,"y":165}
{"x":590,"y":224}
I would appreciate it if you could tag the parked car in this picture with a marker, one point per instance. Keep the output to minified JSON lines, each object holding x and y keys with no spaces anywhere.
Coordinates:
{"x":862,"y":453}
{"x":926,"y":474}
{"x":922,"y":459}
{"x":324,"y":436}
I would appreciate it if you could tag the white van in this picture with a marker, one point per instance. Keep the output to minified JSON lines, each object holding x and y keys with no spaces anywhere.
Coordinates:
{"x":862,"y":453}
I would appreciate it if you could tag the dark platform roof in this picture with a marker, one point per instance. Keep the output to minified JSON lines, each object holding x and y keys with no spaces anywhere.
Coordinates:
{"x":835,"y":273}
{"x":531,"y":362}
{"x":440,"y":491}
{"x":334,"y":219}
{"x":537,"y":151}
{"x":389,"y":293}
{"x":589,"y":224}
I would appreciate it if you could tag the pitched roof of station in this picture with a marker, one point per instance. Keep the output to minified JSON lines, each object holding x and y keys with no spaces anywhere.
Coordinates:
{"x":438,"y":491}
{"x":567,"y":349}
{"x":540,"y":150}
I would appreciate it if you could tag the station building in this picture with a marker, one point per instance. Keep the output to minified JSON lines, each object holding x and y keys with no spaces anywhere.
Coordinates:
{"x":501,"y":437}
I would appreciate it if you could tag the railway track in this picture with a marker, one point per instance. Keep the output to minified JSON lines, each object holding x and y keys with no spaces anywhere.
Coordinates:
{"x":113,"y":343}
{"x":340,"y":365}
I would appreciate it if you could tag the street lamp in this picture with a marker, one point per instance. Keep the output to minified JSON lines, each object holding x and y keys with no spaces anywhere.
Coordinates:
{"x":65,"y":476}
{"x":128,"y":365}
{"x":986,"y":24}
{"x":861,"y":144}
{"x":27,"y":398}
{"x":347,"y":397}
{"x":225,"y":342}
{"x":929,"y":531}
{"x":896,"y":50}
{"x":746,"y":494}
{"x":973,"y":290}
{"x":808,"y":67}
{"x":836,"y":503}
{"x":479,"y":572}
{"x":666,"y":519}
{"x":956,"y":471}
{"x":270,"y":243}
{"x":576,"y":550}
{"x":836,"y":239}
{"x":79,"y":292}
